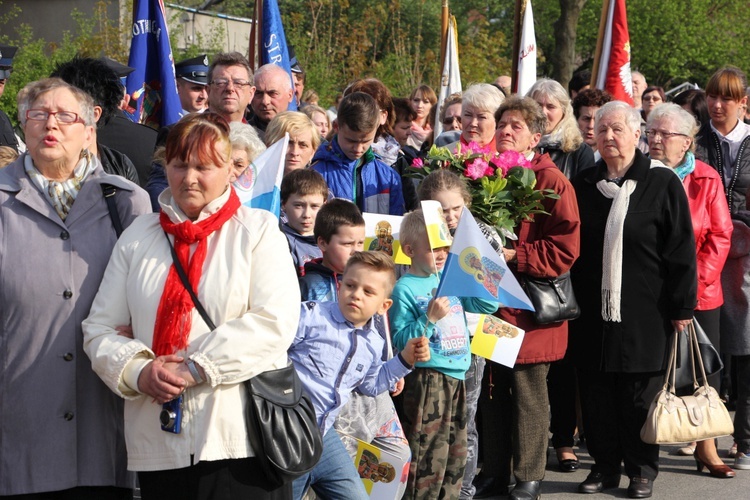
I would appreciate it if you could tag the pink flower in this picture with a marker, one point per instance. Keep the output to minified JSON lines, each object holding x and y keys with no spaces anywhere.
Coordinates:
{"x":477,"y":168}
{"x":473,"y":147}
{"x":417,"y":163}
{"x":504,"y":161}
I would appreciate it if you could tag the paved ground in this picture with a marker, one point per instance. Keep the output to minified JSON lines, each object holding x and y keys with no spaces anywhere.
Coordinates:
{"x":677,"y":480}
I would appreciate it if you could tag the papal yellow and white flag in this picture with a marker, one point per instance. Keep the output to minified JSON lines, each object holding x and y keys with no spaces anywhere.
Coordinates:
{"x":494,"y":339}
{"x":437,"y":229}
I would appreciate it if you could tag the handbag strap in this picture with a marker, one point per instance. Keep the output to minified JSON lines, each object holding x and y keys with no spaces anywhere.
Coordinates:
{"x":186,"y":283}
{"x":669,"y":377}
{"x":696,"y":354}
{"x":109,"y":197}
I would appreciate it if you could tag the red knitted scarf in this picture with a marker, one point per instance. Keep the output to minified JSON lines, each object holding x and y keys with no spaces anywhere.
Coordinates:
{"x":173,"y":318}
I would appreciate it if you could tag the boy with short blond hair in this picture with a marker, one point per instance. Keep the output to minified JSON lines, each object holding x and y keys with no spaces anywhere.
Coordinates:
{"x":434,"y":401}
{"x":350,"y":167}
{"x":336,"y":350}
{"x":303,"y":193}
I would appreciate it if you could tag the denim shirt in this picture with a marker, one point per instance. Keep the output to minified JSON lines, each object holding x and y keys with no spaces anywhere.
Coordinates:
{"x":332,"y":358}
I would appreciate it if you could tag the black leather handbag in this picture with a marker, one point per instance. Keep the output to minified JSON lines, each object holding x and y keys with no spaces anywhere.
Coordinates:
{"x":710,"y":356}
{"x":553,"y":298}
{"x":279,"y":415}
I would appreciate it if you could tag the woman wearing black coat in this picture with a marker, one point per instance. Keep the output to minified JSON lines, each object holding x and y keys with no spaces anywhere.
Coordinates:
{"x":635,"y":281}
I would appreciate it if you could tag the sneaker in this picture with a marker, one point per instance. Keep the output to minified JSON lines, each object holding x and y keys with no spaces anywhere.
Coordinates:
{"x":742,"y":461}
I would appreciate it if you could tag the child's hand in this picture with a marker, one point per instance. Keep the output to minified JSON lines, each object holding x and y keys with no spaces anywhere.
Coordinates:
{"x":399,"y":388}
{"x":438,"y":308}
{"x":416,"y":350}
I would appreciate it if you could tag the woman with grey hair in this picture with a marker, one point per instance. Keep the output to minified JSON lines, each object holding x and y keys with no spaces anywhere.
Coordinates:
{"x":562,"y":139}
{"x":671,"y":130}
{"x":57,"y":232}
{"x":636,"y":284}
{"x":246,"y":147}
{"x":478,"y":106}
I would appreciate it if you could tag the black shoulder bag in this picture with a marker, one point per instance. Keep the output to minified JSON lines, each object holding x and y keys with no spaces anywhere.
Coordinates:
{"x":279,"y":416}
{"x":553,"y":298}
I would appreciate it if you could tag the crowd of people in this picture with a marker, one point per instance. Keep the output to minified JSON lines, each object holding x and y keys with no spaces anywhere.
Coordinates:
{"x":136,"y":231}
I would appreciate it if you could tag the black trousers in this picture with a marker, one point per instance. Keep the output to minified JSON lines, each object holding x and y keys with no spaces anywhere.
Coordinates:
{"x":562,"y":390}
{"x":235,"y":479}
{"x":614,"y":407}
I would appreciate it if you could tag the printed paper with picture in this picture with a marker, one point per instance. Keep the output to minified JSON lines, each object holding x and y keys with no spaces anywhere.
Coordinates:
{"x":382,"y":233}
{"x":382,"y":473}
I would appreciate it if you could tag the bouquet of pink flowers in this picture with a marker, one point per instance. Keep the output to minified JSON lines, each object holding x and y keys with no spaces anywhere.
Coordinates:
{"x":501,"y":184}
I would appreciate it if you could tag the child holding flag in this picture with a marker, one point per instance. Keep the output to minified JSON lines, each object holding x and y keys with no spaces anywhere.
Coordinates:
{"x":452,"y":193}
{"x":434,"y":406}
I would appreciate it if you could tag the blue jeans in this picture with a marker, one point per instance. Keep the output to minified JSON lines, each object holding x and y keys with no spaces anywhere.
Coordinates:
{"x":335,"y":476}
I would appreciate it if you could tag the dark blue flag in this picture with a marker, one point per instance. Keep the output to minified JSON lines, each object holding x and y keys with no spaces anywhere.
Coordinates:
{"x":152,"y":87}
{"x":273,"y":48}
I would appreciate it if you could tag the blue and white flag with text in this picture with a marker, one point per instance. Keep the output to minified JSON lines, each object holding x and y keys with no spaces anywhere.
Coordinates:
{"x":273,"y":48}
{"x":259,"y":186}
{"x":152,"y":86}
{"x":474,"y":269}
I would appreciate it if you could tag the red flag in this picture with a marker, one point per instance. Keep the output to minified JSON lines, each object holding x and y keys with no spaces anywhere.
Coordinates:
{"x":613,"y":70}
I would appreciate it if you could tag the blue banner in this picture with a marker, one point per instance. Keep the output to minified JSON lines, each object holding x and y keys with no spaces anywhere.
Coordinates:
{"x":273,"y":48}
{"x":152,"y":87}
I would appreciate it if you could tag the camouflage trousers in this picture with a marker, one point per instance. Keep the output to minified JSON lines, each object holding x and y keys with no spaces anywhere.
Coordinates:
{"x":435,"y":425}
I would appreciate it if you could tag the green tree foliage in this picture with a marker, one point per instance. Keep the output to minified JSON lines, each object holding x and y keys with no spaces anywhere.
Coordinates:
{"x":94,"y":36}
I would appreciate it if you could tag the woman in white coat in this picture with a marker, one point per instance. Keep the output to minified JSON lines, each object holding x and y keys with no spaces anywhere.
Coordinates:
{"x":237,"y":261}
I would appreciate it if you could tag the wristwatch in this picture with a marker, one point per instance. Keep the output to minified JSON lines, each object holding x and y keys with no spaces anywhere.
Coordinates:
{"x":194,"y":371}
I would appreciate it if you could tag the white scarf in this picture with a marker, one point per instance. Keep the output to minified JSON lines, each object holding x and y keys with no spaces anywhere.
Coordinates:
{"x":612,"y":258}
{"x":613,"y":242}
{"x":62,"y":194}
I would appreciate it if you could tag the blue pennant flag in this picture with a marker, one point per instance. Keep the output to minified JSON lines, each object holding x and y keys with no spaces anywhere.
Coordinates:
{"x":273,"y":48}
{"x":474,"y":269}
{"x":152,"y":87}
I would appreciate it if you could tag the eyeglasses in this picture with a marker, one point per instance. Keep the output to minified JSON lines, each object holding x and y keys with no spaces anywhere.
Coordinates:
{"x":652,"y":98}
{"x":62,"y":117}
{"x":652,"y":134}
{"x":223,"y":82}
{"x":448,"y":120}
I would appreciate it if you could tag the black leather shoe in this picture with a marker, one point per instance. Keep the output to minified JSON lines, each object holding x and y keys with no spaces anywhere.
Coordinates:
{"x":487,"y":487}
{"x":526,"y":490}
{"x":568,"y":465}
{"x":640,"y":487}
{"x":596,"y":482}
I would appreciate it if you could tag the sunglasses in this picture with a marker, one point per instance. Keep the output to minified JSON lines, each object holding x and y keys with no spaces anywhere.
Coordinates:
{"x":450,"y":119}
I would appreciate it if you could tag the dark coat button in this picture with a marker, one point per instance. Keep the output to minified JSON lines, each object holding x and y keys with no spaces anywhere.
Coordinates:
{"x":68,"y":356}
{"x":68,"y":416}
{"x":67,"y":294}
{"x":64,"y":235}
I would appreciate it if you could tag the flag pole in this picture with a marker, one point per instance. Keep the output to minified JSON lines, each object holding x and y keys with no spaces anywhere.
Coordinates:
{"x":599,"y":43}
{"x":444,"y":35}
{"x":516,"y":45}
{"x":256,"y":35}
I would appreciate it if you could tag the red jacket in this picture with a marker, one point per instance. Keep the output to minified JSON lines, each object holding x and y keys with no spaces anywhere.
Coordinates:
{"x":547,"y":246}
{"x":712,"y":225}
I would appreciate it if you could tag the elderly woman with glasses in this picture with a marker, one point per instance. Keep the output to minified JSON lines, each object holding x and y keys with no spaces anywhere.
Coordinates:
{"x":670,"y":131}
{"x":635,"y":281}
{"x":60,"y":427}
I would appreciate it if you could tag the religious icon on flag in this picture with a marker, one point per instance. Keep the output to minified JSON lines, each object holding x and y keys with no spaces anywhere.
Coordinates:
{"x":474,"y":269}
